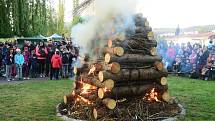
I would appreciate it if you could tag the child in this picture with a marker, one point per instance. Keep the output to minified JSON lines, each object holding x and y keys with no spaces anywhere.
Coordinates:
{"x":26,"y":65}
{"x":56,"y":65}
{"x":19,"y":61}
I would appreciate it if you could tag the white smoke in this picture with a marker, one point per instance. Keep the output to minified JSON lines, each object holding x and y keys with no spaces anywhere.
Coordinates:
{"x":112,"y":17}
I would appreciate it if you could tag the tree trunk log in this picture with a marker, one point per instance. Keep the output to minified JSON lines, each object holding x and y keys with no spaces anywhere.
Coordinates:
{"x":133,"y":91}
{"x":133,"y":75}
{"x":109,"y":103}
{"x":119,"y":51}
{"x":114,"y":67}
{"x":132,"y":58}
{"x":159,"y":65}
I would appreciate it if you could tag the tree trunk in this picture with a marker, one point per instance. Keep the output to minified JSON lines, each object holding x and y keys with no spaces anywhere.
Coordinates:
{"x":133,"y":91}
{"x":131,"y":58}
{"x":113,"y":67}
{"x":119,"y":51}
{"x":96,"y":82}
{"x":133,"y":75}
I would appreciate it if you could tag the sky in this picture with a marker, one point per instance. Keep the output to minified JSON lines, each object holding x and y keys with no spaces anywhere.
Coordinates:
{"x":169,"y":13}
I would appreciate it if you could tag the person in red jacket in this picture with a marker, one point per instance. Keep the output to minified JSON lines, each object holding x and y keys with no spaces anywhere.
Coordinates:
{"x":56,"y":63}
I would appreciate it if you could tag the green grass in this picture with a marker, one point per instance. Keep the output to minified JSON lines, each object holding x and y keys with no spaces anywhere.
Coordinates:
{"x":36,"y":101}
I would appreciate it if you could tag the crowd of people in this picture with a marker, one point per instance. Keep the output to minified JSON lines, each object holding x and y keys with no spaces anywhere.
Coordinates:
{"x":194,"y":60}
{"x":37,"y":59}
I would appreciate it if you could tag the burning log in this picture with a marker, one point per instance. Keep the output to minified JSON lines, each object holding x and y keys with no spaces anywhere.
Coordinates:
{"x":131,"y":58}
{"x":109,"y":84}
{"x":83,"y":69}
{"x":131,"y":91}
{"x":119,"y":51}
{"x":114,"y":67}
{"x":133,"y":75}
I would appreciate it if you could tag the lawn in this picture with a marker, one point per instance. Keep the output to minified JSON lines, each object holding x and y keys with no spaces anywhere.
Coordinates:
{"x":36,"y":100}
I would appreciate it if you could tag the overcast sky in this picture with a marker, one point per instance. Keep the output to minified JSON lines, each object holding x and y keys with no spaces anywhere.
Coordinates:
{"x":170,"y":13}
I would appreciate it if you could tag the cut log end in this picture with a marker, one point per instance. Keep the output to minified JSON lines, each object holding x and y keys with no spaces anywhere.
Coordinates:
{"x":109,"y":103}
{"x":166,"y":97}
{"x":115,"y":67}
{"x":150,"y":35}
{"x":119,"y":51}
{"x":109,"y":84}
{"x":65,"y":99}
{"x":101,"y":76}
{"x":153,"y":51}
{"x":159,"y":65}
{"x":107,"y":58}
{"x":163,"y":81}
{"x":95,"y":113}
{"x":101,"y":93}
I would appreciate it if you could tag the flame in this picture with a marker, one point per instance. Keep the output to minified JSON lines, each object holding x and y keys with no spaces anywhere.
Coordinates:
{"x":152,"y":96}
{"x":92,"y":70}
{"x":87,"y":88}
{"x":80,"y":98}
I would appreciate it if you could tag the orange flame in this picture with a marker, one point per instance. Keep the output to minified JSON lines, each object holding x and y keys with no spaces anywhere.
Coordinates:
{"x":152,"y":96}
{"x":80,"y":98}
{"x":87,"y":88}
{"x":92,"y":70}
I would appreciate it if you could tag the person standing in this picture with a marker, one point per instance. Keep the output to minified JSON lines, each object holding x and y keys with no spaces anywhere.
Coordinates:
{"x":34,"y":64}
{"x":26,"y":66}
{"x":19,"y":61}
{"x":56,"y":62}
{"x":65,"y":62}
{"x":41,"y":52}
{"x":8,"y":62}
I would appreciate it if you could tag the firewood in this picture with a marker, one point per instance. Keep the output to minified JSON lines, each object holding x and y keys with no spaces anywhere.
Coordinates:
{"x":138,"y":43}
{"x":131,"y":58}
{"x":133,"y":91}
{"x":109,"y":103}
{"x":153,"y":51}
{"x":163,"y":81}
{"x":109,"y":84}
{"x":166,"y":97}
{"x":119,"y":51}
{"x":143,"y":30}
{"x":69,"y":99}
{"x":150,"y":36}
{"x":133,"y":75}
{"x":113,"y":67}
{"x":159,"y":65}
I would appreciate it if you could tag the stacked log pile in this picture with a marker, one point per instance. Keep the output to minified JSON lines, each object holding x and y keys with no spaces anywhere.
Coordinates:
{"x":130,"y":68}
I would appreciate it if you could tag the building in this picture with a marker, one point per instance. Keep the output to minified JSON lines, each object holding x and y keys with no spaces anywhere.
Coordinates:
{"x":201,"y":38}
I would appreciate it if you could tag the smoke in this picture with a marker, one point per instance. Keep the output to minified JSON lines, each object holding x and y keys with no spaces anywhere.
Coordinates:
{"x":112,"y":19}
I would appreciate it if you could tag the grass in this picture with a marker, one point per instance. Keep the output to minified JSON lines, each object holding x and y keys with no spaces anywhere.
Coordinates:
{"x":36,"y":101}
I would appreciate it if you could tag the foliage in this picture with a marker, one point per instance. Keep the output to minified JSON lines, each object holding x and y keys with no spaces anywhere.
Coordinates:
{"x":30,"y":18}
{"x":76,"y":20}
{"x":36,"y":100}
